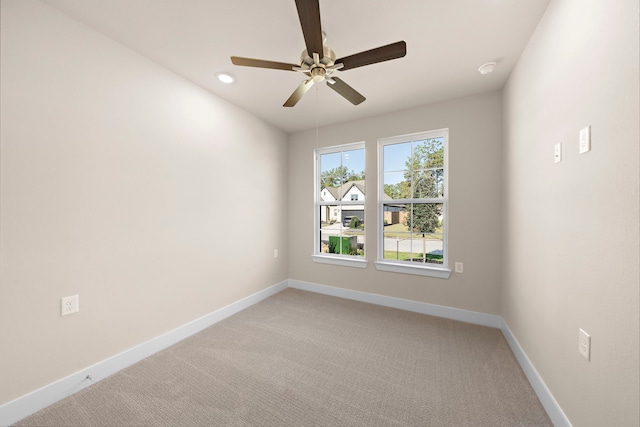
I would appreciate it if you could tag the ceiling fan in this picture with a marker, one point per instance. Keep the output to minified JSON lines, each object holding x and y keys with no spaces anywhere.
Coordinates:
{"x":318,"y":62}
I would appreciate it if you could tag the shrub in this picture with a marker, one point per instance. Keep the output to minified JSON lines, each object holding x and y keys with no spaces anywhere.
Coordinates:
{"x":355,"y":222}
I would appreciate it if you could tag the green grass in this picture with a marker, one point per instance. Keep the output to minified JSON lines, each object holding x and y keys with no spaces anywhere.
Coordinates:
{"x":405,"y":256}
{"x":401,"y":231}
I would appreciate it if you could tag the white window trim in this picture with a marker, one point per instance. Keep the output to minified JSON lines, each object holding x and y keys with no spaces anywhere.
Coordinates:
{"x":406,"y":267}
{"x":343,"y":260}
{"x":335,"y":259}
{"x":399,"y":267}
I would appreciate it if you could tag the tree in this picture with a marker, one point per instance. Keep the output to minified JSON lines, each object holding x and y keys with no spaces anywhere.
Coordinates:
{"x":425,"y":172}
{"x":355,"y":222}
{"x":392,"y":191}
{"x":401,"y":190}
{"x":339,"y":175}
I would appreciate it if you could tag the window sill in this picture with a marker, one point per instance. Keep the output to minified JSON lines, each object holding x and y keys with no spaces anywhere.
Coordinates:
{"x":439,"y":272}
{"x":342,"y":260}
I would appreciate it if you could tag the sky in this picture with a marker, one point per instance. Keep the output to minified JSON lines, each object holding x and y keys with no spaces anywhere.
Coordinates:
{"x":395,"y":157}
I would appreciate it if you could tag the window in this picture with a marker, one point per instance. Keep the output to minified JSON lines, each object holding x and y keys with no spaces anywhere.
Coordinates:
{"x":412,"y":204}
{"x":339,"y":205}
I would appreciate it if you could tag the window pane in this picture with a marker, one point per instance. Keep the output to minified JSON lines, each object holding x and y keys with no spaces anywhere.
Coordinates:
{"x":330,"y":170}
{"x":340,"y":170}
{"x":353,"y":230}
{"x":396,"y":235}
{"x":403,"y":236}
{"x":426,"y":218}
{"x":426,"y":227}
{"x":329,"y":214}
{"x":428,"y":184}
{"x":353,"y":162}
{"x":395,"y":156}
{"x":429,"y":153}
{"x":396,"y":186}
{"x":329,"y":225}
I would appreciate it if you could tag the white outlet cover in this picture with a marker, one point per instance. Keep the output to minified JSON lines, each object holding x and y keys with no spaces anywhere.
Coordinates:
{"x":585,"y":140}
{"x":584,"y":344}
{"x":69,"y":305}
{"x":459,"y":267}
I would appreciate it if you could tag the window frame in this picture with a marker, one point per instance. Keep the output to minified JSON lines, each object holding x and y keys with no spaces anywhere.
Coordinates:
{"x":356,"y":261}
{"x":409,"y":267}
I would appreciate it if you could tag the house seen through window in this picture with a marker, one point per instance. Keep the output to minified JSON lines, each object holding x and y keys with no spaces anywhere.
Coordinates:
{"x":340,"y":195}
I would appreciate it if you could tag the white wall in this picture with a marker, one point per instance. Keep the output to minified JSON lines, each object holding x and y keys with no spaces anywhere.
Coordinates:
{"x":475,"y":138}
{"x":571,"y":236}
{"x":127,"y":185}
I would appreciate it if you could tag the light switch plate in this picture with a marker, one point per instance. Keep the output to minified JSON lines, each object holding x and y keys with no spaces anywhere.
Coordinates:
{"x":585,"y":140}
{"x":557,"y":153}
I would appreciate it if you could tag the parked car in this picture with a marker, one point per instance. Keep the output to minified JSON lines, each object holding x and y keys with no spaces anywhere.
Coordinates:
{"x":347,"y":221}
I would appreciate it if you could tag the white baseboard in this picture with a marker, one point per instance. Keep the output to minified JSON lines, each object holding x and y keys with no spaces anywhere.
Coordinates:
{"x":402,"y":304}
{"x":26,"y":405}
{"x":549,"y":403}
{"x":555,"y":412}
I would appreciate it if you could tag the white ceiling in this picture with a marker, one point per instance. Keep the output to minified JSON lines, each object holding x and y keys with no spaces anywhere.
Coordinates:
{"x":447,"y":40}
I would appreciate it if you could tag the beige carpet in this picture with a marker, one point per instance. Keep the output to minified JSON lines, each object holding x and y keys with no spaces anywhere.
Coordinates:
{"x":304,"y":359}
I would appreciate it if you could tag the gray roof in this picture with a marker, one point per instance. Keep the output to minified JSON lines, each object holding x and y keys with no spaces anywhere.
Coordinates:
{"x":339,"y":192}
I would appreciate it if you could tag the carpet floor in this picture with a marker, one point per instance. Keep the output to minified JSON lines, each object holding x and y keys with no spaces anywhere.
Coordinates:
{"x":305,"y":359}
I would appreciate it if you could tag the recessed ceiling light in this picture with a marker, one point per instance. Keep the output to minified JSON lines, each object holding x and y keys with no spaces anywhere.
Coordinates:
{"x":487,"y":68}
{"x":225,"y":78}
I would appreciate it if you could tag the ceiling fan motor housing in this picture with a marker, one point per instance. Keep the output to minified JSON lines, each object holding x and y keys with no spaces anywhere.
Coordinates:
{"x":318,"y":70}
{"x":327,"y":60}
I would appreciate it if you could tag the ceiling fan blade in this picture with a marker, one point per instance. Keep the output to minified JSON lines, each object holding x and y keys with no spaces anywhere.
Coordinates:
{"x":349,"y":93}
{"x":309,"y":14}
{"x":298,"y":93}
{"x":250,"y":62}
{"x":379,"y":54}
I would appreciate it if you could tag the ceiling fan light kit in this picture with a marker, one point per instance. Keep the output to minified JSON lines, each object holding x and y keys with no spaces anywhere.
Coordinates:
{"x":318,"y":62}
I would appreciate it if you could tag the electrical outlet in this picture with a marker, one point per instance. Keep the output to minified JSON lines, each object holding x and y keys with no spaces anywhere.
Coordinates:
{"x":459,"y":267}
{"x":584,"y":344}
{"x":585,"y":139}
{"x":69,"y":305}
{"x":275,"y":253}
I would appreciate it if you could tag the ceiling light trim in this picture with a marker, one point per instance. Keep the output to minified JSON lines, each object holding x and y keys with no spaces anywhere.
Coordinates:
{"x":226,"y":78}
